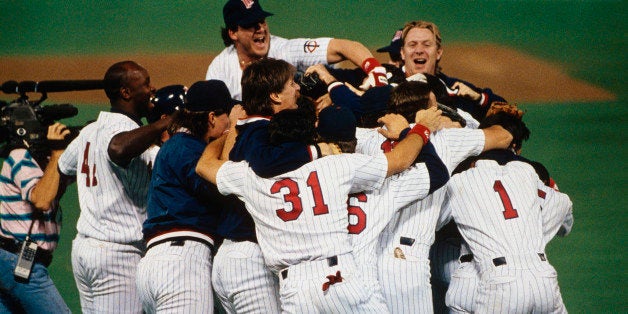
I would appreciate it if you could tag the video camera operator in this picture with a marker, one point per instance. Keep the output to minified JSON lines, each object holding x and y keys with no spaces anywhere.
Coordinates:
{"x":30,"y":189}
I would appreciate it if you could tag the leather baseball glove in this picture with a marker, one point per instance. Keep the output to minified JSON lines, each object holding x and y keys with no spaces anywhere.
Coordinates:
{"x":510,"y":109}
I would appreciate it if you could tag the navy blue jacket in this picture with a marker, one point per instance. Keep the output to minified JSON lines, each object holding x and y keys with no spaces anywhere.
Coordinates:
{"x":178,"y":198}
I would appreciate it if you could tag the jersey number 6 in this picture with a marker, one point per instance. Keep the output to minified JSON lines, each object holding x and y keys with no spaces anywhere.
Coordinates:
{"x":292,"y":197}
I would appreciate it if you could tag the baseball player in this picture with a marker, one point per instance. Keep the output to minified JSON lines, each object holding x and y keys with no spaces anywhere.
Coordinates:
{"x":304,"y":235}
{"x":404,"y":245}
{"x":113,"y":172}
{"x":498,"y":205}
{"x":421,"y":51}
{"x":30,"y":188}
{"x":248,"y":39}
{"x":183,"y":211}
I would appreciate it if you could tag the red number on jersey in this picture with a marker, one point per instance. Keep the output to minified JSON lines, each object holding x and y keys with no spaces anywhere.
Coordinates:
{"x":90,"y":177}
{"x":509,"y":211}
{"x":292,"y":197}
{"x":320,"y":208}
{"x":358,"y":212}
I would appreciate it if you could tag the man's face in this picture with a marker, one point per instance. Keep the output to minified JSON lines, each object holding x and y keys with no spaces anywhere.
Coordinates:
{"x":220,"y":125}
{"x":252,"y":40}
{"x":140,"y":90}
{"x":420,"y":52}
{"x":288,"y":96}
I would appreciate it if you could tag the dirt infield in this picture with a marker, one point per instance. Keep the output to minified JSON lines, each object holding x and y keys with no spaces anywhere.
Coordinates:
{"x":515,"y":76}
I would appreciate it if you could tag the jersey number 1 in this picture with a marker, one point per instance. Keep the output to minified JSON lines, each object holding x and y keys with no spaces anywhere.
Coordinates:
{"x":90,"y":176}
{"x":509,"y":211}
{"x":293,"y":197}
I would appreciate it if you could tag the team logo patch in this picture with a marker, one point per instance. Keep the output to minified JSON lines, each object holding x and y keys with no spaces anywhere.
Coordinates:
{"x":397,"y":35}
{"x":310,"y":46}
{"x":248,"y":3}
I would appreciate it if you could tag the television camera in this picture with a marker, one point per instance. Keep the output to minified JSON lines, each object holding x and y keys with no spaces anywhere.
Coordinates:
{"x":24,"y":122}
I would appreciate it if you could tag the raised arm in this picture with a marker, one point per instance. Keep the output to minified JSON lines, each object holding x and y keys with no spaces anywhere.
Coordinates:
{"x":209,"y":163}
{"x":46,"y":189}
{"x":406,"y":152}
{"x":127,"y":145}
{"x":496,"y":137}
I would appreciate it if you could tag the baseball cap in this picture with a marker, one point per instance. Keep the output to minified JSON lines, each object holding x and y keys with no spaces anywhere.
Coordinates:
{"x":395,"y":43}
{"x":166,"y":100}
{"x":243,"y":12}
{"x":211,"y":95}
{"x":336,"y":124}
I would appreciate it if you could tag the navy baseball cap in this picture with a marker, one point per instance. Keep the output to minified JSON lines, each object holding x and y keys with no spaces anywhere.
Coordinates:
{"x":211,"y":95}
{"x":336,"y":124}
{"x":395,"y":44}
{"x":243,"y":12}
{"x":166,"y":100}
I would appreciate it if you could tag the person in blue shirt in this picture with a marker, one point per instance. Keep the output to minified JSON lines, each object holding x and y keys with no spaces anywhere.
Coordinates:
{"x":184,"y":210}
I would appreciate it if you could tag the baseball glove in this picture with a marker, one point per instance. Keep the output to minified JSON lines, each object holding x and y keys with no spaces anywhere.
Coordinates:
{"x":510,"y":109}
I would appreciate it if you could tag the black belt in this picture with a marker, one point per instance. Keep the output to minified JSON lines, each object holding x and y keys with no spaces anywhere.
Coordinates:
{"x":331,"y":262}
{"x":499,"y":261}
{"x":180,"y":241}
{"x":406,"y":241}
{"x":466,"y":258}
{"x":42,"y":256}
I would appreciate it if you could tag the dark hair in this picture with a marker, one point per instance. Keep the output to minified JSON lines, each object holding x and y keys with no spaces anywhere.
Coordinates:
{"x":408,"y":98}
{"x":292,"y":125}
{"x":259,"y":80}
{"x":347,"y":146}
{"x":117,"y":76}
{"x":512,"y":124}
{"x":196,"y":122}
{"x":224,"y":33}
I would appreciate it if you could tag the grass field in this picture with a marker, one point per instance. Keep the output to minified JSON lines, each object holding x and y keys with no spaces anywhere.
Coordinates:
{"x":582,"y":144}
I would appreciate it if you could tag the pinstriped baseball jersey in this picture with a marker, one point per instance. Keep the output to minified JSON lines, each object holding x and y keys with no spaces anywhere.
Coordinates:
{"x":302,"y":215}
{"x":462,"y":293}
{"x":496,"y":209}
{"x":370,"y":211}
{"x":300,"y":52}
{"x":112,"y":198}
{"x":419,"y":220}
{"x":507,"y":215}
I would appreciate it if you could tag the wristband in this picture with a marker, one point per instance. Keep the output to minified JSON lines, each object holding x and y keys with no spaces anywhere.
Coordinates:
{"x":333,"y":85}
{"x":369,"y":64}
{"x":404,"y":133}
{"x":421,"y":131}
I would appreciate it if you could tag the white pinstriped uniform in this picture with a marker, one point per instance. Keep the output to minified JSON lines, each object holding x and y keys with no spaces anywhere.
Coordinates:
{"x":370,"y":211}
{"x":301,"y":221}
{"x":109,"y":242}
{"x":300,"y":52}
{"x":499,"y":215}
{"x":462,"y":293}
{"x":406,"y":282}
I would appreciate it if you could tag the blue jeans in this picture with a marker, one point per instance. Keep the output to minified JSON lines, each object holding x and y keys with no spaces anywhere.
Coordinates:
{"x":39,"y":295}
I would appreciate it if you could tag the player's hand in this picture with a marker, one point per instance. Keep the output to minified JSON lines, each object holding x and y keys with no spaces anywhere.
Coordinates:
{"x":323,"y":73}
{"x":466,"y":91}
{"x":329,"y":149}
{"x":430,"y":118}
{"x":237,"y":113}
{"x":394,"y":124}
{"x":355,"y":90}
{"x":377,"y":77}
{"x":57,"y":132}
{"x":322,"y":102}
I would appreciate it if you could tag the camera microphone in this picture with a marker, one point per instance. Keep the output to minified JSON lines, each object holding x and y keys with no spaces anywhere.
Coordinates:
{"x":9,"y":87}
{"x":13,"y":87}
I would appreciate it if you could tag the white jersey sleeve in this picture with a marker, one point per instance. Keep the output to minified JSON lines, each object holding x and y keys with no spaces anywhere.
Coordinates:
{"x":556,"y":210}
{"x":300,"y":52}
{"x":455,"y":145}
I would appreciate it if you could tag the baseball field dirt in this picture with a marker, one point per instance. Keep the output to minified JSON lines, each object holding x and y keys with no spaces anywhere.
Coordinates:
{"x":518,"y":77}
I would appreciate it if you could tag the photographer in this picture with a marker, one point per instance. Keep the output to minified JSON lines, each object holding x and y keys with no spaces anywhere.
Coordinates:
{"x":29,"y":210}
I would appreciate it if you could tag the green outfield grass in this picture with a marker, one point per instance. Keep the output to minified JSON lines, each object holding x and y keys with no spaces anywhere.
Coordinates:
{"x":582,"y":144}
